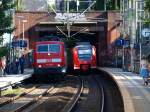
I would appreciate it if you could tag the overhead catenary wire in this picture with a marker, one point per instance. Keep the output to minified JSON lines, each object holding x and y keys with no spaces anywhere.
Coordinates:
{"x":68,"y":19}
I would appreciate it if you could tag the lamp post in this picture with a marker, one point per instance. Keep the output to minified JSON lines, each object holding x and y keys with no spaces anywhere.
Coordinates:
{"x":23,"y":37}
{"x":23,"y":21}
{"x":11,"y":12}
{"x":20,"y":18}
{"x":78,"y":3}
{"x":19,"y":35}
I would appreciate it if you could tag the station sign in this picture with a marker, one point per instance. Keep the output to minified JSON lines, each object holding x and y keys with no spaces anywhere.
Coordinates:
{"x":146,"y":32}
{"x":19,"y":43}
{"x":122,"y":42}
{"x":119,"y":42}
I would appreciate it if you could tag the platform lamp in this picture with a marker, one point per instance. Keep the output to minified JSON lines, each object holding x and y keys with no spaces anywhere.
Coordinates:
{"x":10,"y":13}
{"x":23,"y":37}
{"x":20,"y":18}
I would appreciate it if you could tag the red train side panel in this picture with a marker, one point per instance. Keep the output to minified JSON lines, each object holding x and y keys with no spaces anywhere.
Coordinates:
{"x":84,"y":57}
{"x":49,"y":57}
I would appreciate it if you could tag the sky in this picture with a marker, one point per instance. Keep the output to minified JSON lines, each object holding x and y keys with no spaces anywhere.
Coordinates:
{"x":6,"y":37}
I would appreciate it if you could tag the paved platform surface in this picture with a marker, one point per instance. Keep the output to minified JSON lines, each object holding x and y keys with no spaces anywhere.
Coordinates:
{"x":15,"y":78}
{"x":136,"y":96}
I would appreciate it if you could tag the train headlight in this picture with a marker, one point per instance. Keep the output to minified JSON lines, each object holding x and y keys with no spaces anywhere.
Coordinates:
{"x":93,"y":51}
{"x":40,"y":66}
{"x":58,"y":65}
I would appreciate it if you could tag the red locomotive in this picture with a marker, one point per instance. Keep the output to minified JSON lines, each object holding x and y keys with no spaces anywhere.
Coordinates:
{"x":49,"y":57}
{"x":84,"y":56}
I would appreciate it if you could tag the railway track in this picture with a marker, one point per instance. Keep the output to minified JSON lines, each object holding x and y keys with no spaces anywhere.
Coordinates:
{"x":74,"y":100}
{"x":61,"y":99}
{"x":92,"y":98}
{"x":72,"y":97}
{"x":94,"y":93}
{"x":113,"y":101}
{"x":27,"y":89}
{"x":17,"y":105}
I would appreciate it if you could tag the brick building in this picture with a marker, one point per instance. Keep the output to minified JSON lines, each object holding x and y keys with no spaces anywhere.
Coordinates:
{"x":102,"y":33}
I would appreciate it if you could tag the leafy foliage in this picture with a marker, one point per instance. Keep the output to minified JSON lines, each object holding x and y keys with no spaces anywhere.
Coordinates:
{"x":147,"y":10}
{"x":113,"y":4}
{"x":147,"y":7}
{"x":110,"y":4}
{"x":19,"y":5}
{"x":3,"y":51}
{"x":6,"y":17}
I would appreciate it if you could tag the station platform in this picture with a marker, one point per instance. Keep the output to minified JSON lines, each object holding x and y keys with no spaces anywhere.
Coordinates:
{"x":11,"y":79}
{"x":135,"y":95}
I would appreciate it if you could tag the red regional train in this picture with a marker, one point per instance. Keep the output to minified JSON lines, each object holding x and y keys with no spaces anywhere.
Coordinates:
{"x":84,"y":56}
{"x":49,"y":57}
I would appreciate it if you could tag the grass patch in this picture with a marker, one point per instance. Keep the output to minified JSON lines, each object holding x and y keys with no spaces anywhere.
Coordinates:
{"x":12,"y":92}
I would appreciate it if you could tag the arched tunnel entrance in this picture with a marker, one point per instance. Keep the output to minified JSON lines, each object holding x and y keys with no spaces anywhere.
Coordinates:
{"x":91,"y":37}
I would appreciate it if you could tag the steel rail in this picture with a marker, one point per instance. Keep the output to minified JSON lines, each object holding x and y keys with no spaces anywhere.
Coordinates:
{"x":18,"y":96}
{"x":20,"y":109}
{"x":71,"y":104}
{"x":32,"y":101}
{"x":102,"y":93}
{"x":103,"y":99}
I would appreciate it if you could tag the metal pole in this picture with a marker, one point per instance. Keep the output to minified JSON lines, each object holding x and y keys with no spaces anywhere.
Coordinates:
{"x":116,"y":4}
{"x":10,"y":53}
{"x":24,"y":21}
{"x":10,"y":38}
{"x":10,"y":61}
{"x":140,"y":42}
{"x":68,"y":22}
{"x":116,"y":57}
{"x":23,"y":31}
{"x":19,"y":27}
{"x":67,"y":6}
{"x":19,"y":36}
{"x":105,"y":5}
{"x":77,"y":5}
{"x":68,"y":28}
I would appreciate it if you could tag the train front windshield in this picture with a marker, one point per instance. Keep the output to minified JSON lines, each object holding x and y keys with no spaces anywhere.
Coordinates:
{"x":84,"y":53}
{"x":48,"y":48}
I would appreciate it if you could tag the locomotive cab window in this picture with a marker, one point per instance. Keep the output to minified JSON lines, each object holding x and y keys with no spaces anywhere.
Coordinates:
{"x":54,"y":48}
{"x":51,"y":48}
{"x":42,"y":48}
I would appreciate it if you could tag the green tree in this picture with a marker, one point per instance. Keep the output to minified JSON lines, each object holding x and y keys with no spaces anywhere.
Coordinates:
{"x":19,"y":5}
{"x":110,"y":4}
{"x":147,"y":7}
{"x":5,"y":17}
{"x":3,"y":51}
{"x":99,"y":5}
{"x":147,"y":10}
{"x":113,"y":4}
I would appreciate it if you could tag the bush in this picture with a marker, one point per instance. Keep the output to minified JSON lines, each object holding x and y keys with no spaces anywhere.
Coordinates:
{"x":3,"y":51}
